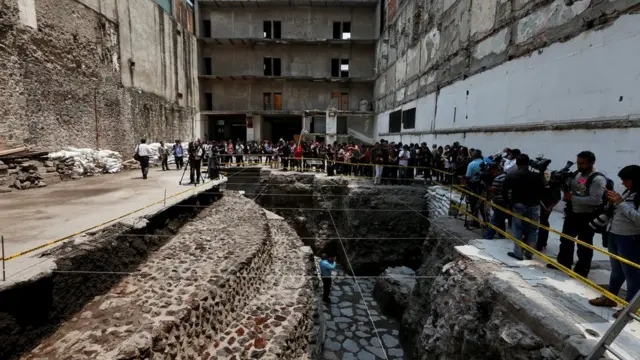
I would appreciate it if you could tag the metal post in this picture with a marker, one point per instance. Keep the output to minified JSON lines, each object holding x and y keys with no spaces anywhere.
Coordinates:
{"x":165,"y":197}
{"x":3,"y":271}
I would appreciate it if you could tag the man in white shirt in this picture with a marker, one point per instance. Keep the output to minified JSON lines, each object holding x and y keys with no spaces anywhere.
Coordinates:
{"x":510,"y":163}
{"x":403,"y":161}
{"x":143,"y":153}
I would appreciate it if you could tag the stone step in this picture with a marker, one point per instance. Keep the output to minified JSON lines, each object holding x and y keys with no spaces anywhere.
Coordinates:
{"x":278,"y":322}
{"x":187,"y":292}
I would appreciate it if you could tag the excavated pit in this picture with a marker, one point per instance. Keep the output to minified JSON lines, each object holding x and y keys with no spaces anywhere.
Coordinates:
{"x":85,"y":268}
{"x":236,"y":281}
{"x":369,"y":228}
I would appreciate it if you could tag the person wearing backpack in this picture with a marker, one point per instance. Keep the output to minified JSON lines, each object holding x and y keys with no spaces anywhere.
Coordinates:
{"x":585,"y":200}
{"x":624,"y":237}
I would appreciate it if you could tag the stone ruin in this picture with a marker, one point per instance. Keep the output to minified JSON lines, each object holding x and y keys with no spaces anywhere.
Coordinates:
{"x":249,"y":288}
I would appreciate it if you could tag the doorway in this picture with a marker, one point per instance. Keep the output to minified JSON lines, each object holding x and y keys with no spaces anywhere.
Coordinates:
{"x":283,"y":127}
{"x":225,"y":127}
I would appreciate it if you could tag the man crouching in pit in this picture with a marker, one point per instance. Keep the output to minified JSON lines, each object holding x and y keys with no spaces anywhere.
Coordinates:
{"x":327,"y":265}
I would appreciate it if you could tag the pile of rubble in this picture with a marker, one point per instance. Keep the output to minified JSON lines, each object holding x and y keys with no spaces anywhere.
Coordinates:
{"x":28,"y":177}
{"x":76,"y":163}
{"x":27,"y":169}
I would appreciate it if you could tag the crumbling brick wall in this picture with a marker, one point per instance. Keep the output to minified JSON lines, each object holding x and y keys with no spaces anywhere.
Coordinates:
{"x":430,"y":44}
{"x":60,"y":84}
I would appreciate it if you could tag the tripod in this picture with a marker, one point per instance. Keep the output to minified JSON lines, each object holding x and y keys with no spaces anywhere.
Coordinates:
{"x":184,"y":171}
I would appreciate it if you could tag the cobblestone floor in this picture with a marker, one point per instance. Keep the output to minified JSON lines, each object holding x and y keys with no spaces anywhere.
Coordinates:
{"x":350,"y":332}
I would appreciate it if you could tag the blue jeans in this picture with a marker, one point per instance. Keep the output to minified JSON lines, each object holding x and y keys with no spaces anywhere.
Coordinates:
{"x":497,"y":219}
{"x":628,"y":247}
{"x":522,"y":228}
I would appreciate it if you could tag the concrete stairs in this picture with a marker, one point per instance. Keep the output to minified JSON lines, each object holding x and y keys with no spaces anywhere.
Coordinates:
{"x":219,"y":289}
{"x":243,"y":178}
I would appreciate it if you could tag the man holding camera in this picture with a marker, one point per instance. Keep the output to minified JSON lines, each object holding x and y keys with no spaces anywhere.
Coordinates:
{"x":526,"y":191}
{"x":583,"y":201}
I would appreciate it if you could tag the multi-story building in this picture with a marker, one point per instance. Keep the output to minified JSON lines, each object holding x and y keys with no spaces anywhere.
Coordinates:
{"x":269,"y":69}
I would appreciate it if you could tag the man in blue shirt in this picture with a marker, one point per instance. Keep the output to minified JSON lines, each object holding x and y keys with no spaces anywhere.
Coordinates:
{"x":472,"y":180}
{"x":327,"y":265}
{"x":475,"y":166}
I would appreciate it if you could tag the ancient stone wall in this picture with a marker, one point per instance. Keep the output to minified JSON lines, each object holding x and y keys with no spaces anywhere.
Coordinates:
{"x":217,"y":290}
{"x":67,"y":81}
{"x":456,"y":312}
{"x":378,"y":226}
{"x":430,"y":44}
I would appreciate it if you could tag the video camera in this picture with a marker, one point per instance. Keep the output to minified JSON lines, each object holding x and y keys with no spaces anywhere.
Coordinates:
{"x":540,"y":164}
{"x":562,"y":178}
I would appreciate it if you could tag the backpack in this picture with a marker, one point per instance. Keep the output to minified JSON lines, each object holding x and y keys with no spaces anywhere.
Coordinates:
{"x":609,"y":186}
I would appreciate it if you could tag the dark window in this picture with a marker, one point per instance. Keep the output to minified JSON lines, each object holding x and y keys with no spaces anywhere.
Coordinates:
{"x":208,"y":101}
{"x":409,"y":119}
{"x":268,"y":104}
{"x":266,"y":32}
{"x":395,"y":121}
{"x":277,"y":30}
{"x":207,"y":66}
{"x":344,"y":68}
{"x":272,"y":67}
{"x":337,"y":30}
{"x":335,"y":67}
{"x":276,"y":67}
{"x":268,"y":68}
{"x":342,"y":30}
{"x":206,"y":28}
{"x":342,"y":125}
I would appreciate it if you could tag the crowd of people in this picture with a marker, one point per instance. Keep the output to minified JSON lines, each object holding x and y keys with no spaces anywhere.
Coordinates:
{"x":510,"y":180}
{"x":515,"y":182}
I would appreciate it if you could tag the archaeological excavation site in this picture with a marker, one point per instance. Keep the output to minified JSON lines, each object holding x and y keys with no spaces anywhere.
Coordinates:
{"x":232,"y":272}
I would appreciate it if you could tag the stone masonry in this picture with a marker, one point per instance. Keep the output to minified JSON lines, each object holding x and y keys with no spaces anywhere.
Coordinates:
{"x":430,"y":44}
{"x":213,"y":291}
{"x":61,"y":80}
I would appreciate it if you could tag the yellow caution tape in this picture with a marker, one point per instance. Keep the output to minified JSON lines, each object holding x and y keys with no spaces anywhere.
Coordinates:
{"x":518,"y":216}
{"x":95,"y":226}
{"x":547,"y":259}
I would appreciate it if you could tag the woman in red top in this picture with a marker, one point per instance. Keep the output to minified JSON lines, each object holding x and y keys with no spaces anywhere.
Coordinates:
{"x":297,"y":155}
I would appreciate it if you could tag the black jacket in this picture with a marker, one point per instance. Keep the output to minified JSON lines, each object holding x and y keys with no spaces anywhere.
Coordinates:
{"x":526,"y":187}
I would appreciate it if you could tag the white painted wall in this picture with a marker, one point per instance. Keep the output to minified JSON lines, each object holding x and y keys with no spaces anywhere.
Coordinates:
{"x":582,"y":79}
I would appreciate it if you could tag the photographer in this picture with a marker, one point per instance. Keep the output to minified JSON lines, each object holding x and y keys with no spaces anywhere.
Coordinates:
{"x":624,"y":237}
{"x":584,"y":201}
{"x":526,"y":191}
{"x":498,"y":217}
{"x":196,"y":153}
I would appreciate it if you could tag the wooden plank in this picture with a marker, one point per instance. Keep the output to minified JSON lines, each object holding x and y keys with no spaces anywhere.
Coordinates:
{"x":12,"y":151}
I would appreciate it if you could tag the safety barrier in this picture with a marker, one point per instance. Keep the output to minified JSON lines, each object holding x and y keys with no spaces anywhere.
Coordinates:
{"x":525,"y":246}
{"x":547,"y":259}
{"x":53,"y":242}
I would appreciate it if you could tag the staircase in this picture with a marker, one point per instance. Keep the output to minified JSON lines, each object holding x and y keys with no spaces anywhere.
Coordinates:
{"x":234,"y":283}
{"x":243,"y":178}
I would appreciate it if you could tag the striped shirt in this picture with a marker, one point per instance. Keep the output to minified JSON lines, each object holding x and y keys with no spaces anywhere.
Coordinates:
{"x":497,"y":187}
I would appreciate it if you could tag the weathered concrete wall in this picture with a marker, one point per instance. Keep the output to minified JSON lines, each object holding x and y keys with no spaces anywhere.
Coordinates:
{"x":309,"y":23}
{"x":296,"y":95}
{"x":296,"y":60}
{"x":70,"y":81}
{"x":506,"y":73}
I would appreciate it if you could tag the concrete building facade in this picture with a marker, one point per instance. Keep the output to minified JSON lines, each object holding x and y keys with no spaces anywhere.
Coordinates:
{"x":95,"y":73}
{"x":268,"y":69}
{"x":547,"y":76}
